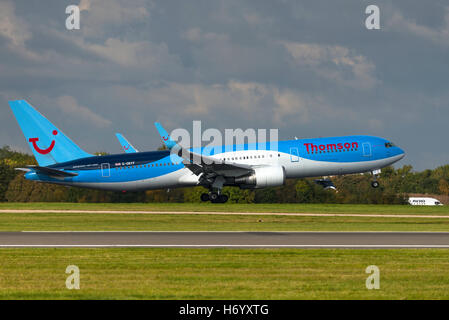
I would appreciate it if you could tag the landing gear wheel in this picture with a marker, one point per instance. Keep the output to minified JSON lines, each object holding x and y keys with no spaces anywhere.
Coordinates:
{"x":223,"y":198}
{"x":205,"y":197}
{"x":213,"y":196}
{"x":375,"y":184}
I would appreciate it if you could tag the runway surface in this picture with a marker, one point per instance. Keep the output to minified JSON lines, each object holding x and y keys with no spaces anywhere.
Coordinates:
{"x":227,"y":239}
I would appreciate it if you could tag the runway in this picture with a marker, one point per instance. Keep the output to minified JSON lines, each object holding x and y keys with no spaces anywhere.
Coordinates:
{"x":226,"y":239}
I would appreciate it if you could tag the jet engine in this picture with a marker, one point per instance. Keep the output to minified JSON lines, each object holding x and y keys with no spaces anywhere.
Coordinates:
{"x":263,"y":177}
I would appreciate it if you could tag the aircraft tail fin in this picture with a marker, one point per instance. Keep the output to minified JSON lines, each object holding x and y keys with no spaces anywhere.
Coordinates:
{"x":128,"y":147}
{"x":48,"y":144}
{"x":169,"y":143}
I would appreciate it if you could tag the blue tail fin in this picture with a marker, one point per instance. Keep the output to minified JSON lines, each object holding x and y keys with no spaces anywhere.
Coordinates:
{"x":128,"y":147}
{"x":169,"y":143}
{"x":49,"y":144}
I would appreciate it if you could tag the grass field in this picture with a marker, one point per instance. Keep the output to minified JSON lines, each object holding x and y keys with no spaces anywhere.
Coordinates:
{"x":208,"y":207}
{"x":132,"y":273}
{"x":223,"y":274}
{"x":63,"y":221}
{"x":191,"y":222}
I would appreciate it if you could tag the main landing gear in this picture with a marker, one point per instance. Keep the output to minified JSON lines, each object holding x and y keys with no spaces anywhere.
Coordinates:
{"x":214,"y":197}
{"x":375,"y":183}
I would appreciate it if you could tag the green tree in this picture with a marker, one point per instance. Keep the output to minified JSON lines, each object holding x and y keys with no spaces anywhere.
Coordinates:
{"x":443,"y":186}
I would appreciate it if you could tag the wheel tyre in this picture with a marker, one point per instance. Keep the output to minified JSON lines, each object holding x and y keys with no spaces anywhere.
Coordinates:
{"x":204,"y":197}
{"x":375,"y":184}
{"x":223,"y":198}
{"x":213,"y":196}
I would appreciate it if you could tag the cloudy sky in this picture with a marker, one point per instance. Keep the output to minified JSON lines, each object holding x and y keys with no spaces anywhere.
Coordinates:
{"x":308,"y":68}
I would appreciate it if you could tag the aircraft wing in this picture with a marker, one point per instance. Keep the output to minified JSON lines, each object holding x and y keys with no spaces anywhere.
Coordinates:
{"x":128,"y":147}
{"x":198,"y":163}
{"x":201,"y":164}
{"x":49,"y":171}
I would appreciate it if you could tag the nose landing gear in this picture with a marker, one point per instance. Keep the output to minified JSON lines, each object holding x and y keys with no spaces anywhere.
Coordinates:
{"x":375,"y":183}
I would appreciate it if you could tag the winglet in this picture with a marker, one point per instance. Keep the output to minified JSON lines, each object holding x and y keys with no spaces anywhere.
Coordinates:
{"x":128,"y":147}
{"x":165,"y":136}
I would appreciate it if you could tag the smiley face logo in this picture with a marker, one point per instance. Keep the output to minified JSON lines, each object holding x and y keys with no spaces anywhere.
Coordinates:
{"x":126,"y":147}
{"x":43,"y":151}
{"x":165,"y":138}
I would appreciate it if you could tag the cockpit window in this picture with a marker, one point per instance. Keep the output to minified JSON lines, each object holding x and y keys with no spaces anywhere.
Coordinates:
{"x":389,"y":145}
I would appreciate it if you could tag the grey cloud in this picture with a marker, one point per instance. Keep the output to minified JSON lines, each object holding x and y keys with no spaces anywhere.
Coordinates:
{"x":69,"y":105}
{"x":438,"y":34}
{"x":309,"y":68}
{"x":332,"y":62}
{"x":11,"y":26}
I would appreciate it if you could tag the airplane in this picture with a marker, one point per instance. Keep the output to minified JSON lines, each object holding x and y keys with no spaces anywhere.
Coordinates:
{"x":128,"y":147}
{"x":248,"y":166}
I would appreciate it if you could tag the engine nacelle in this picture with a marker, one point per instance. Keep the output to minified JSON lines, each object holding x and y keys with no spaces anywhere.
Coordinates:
{"x":263,"y":177}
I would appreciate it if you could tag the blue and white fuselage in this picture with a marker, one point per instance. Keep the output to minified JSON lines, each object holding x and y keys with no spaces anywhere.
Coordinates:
{"x":246,"y":166}
{"x":156,"y":169}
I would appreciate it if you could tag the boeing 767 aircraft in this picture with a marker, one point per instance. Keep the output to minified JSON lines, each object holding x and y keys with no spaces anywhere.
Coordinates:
{"x":61,"y":161}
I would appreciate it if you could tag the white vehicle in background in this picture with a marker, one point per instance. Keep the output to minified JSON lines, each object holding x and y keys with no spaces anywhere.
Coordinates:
{"x":423,"y":201}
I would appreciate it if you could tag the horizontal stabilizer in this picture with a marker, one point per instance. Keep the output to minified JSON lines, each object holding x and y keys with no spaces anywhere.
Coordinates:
{"x":50,"y":172}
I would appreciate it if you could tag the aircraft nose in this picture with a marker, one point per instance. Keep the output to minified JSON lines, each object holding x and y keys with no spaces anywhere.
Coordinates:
{"x":401,"y":153}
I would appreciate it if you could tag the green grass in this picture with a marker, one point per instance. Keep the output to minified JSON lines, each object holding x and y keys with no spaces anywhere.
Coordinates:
{"x":193,"y":222}
{"x":204,"y":207}
{"x":224,"y":273}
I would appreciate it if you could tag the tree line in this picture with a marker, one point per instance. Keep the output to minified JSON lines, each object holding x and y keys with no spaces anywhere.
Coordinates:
{"x":394,"y":185}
